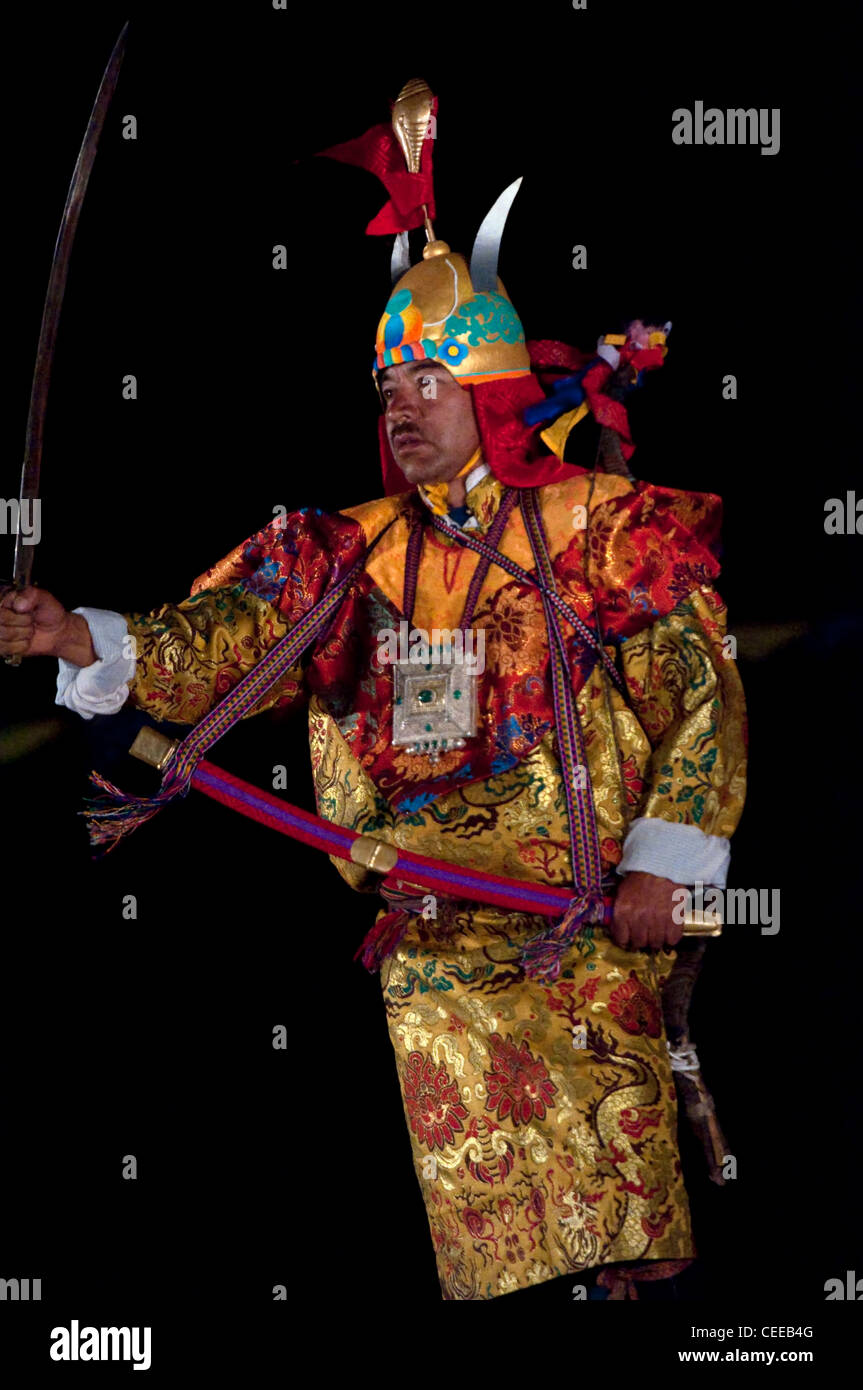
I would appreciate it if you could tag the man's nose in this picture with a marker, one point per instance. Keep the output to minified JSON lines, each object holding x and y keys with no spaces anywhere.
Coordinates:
{"x":402,"y":405}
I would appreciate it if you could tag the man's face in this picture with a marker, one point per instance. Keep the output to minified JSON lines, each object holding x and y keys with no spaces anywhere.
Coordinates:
{"x":429,"y":420}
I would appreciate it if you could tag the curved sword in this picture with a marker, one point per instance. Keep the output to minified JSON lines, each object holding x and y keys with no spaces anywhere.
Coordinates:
{"x":23,"y":564}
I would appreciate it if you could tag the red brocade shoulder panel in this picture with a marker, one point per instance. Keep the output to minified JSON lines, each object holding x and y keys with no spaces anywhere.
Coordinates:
{"x":648,"y":548}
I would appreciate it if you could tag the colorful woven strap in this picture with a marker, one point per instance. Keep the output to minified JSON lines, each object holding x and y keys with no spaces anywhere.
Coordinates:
{"x":481,"y":545}
{"x":543,"y":954}
{"x":413,"y":551}
{"x":413,"y":873}
{"x":255,"y":684}
{"x":115,"y":814}
{"x":583,"y":832}
{"x":492,"y":540}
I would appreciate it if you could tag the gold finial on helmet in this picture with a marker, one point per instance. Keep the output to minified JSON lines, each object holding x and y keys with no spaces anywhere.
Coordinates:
{"x":412,"y":114}
{"x":435,"y":309}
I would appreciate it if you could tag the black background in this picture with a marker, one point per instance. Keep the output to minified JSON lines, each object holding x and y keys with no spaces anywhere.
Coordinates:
{"x":153,"y":1036}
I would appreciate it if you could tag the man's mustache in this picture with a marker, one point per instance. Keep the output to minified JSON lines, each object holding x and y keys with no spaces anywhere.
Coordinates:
{"x":406,"y":429}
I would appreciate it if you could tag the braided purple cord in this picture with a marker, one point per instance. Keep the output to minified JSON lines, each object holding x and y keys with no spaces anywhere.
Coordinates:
{"x":492,"y":538}
{"x":586,"y":858}
{"x":412,"y":567}
{"x":255,"y":683}
{"x":498,"y":558}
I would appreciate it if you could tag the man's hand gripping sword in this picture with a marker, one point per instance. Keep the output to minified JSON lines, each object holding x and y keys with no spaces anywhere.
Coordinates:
{"x":30,"y":473}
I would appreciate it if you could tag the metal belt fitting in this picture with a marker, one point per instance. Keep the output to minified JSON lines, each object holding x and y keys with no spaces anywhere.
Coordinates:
{"x":154,"y":748}
{"x":374,"y":854}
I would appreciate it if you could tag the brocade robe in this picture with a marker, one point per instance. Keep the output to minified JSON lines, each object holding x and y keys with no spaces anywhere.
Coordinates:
{"x":542,"y":1117}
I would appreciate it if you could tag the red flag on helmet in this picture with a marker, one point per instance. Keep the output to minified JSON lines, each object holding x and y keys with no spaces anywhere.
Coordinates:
{"x":379,"y":152}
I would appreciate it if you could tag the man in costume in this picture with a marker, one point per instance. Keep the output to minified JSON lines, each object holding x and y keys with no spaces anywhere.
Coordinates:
{"x":600,"y":744}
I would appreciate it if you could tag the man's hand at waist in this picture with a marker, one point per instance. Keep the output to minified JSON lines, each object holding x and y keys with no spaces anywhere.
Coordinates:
{"x":643,"y":912}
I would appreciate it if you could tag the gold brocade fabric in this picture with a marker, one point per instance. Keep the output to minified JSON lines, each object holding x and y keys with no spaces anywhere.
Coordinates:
{"x":513,"y":824}
{"x":192,"y":653}
{"x":484,"y":499}
{"x":682,"y":758}
{"x":542,"y":1119}
{"x":535,"y":1157}
{"x":446,"y":568}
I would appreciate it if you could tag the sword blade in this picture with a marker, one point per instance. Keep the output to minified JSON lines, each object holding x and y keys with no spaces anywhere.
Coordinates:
{"x":32,"y":467}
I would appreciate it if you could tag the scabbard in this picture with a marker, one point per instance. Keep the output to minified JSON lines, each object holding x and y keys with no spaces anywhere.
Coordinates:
{"x":692,"y":1089}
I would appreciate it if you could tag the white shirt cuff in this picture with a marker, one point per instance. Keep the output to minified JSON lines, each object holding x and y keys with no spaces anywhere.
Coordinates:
{"x":103,"y":687}
{"x":682,"y":853}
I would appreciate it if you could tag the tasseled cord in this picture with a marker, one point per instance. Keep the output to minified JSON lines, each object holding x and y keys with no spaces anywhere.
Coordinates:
{"x":543,"y":955}
{"x":383,"y":938}
{"x":113,"y":815}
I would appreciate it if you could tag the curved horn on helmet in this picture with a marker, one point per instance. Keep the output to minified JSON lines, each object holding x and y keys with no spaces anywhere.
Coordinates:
{"x":483,"y":260}
{"x":400,"y":261}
